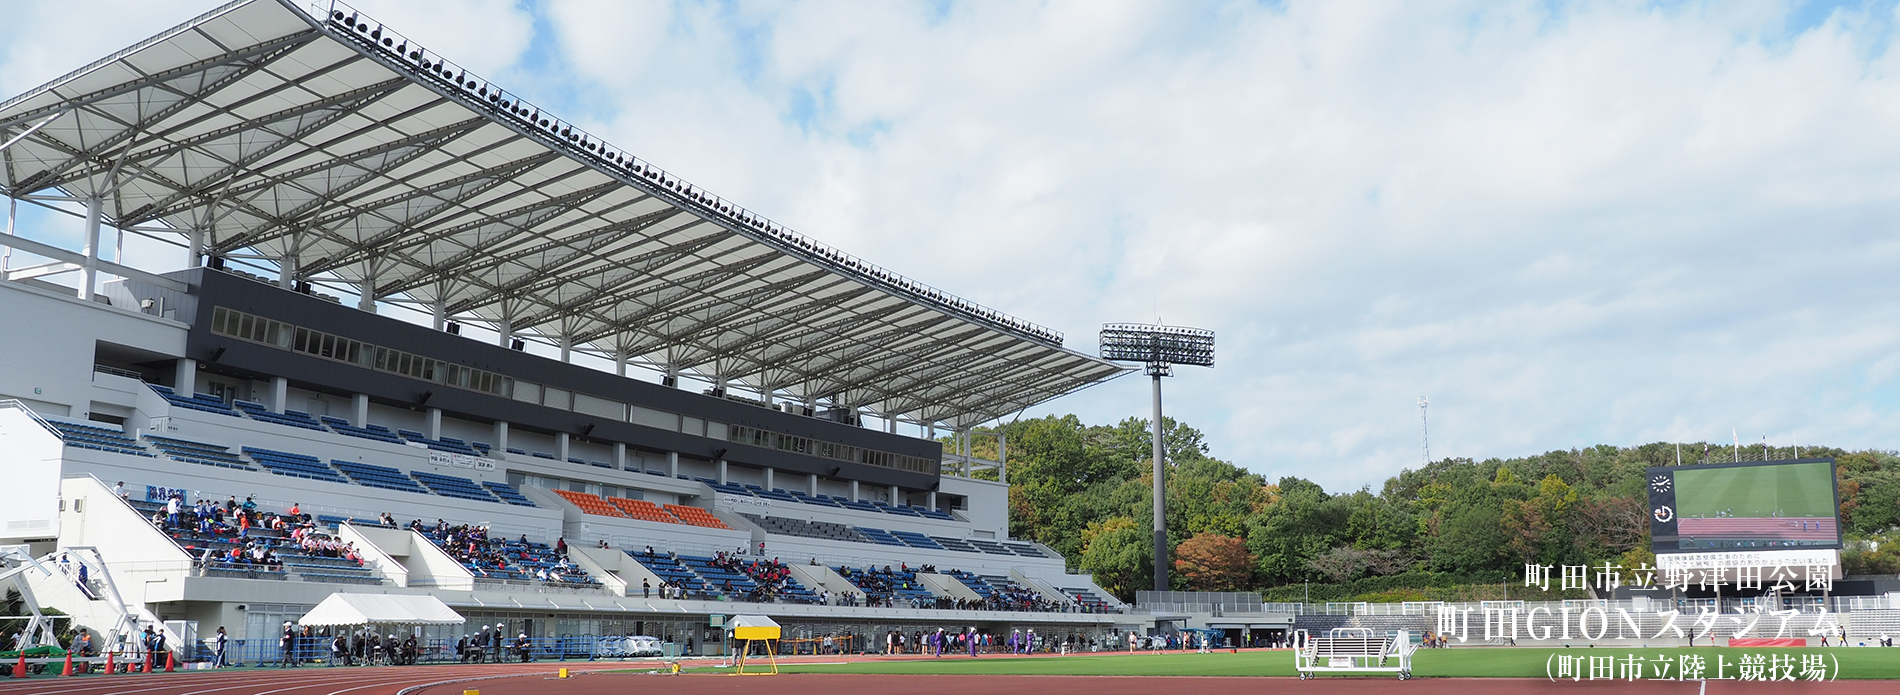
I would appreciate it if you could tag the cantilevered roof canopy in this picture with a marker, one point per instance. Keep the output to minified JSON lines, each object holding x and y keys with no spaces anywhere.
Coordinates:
{"x":345,"y":153}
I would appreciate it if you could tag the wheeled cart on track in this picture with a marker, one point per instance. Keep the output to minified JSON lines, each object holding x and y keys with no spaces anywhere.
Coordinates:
{"x":1354,"y":650}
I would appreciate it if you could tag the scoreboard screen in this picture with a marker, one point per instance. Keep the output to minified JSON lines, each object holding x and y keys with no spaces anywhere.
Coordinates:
{"x":1763,"y":505}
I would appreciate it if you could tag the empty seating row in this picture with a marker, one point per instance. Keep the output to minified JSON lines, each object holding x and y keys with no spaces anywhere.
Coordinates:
{"x":373,"y":431}
{"x":203,"y":402}
{"x":508,"y":493}
{"x":696,"y":516}
{"x":451,"y":486}
{"x":823,"y":530}
{"x":643,"y":510}
{"x":916,"y":540}
{"x":448,"y":444}
{"x":198,"y":452}
{"x":591,"y":504}
{"x":292,"y":418}
{"x":294,"y":465}
{"x":823,"y":500}
{"x":98,"y":438}
{"x":372,"y":475}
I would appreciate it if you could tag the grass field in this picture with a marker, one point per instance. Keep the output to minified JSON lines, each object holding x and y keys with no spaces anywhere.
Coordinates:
{"x":1791,"y":490}
{"x":1855,"y":663}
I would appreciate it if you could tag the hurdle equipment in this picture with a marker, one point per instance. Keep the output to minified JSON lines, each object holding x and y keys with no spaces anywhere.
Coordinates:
{"x":1354,"y":650}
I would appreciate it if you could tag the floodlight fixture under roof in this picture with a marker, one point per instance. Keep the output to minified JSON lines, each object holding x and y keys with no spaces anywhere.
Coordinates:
{"x":1160,"y":347}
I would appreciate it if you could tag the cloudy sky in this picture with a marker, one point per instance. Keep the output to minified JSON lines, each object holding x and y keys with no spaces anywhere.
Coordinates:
{"x":1565,"y":223}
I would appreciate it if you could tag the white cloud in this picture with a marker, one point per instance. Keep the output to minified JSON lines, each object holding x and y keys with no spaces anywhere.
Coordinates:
{"x":1619,"y":223}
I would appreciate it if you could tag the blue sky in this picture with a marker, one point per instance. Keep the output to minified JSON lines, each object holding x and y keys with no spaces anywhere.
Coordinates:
{"x":1565,"y":223}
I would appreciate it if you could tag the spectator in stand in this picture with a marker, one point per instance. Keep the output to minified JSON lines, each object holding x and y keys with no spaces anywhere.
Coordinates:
{"x":119,"y":490}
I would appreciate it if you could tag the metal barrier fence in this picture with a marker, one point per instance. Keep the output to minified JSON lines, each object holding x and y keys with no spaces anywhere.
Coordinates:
{"x":317,"y":650}
{"x":1805,"y":604}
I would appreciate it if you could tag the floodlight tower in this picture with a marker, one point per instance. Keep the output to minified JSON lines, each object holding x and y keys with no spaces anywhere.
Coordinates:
{"x":1160,"y":348}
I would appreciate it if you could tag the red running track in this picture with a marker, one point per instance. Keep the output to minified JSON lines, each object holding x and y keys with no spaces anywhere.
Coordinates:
{"x":838,"y":684}
{"x":307,"y":680}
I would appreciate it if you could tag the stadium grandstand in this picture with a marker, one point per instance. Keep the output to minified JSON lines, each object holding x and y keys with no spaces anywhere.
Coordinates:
{"x":430,"y":339}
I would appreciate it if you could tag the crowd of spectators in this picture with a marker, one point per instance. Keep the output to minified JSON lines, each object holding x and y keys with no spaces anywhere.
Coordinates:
{"x":771,"y":577}
{"x":255,"y":536}
{"x":497,"y":557}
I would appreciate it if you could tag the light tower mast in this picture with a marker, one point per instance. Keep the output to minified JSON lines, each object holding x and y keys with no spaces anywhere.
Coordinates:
{"x":1424,"y":428}
{"x":1159,"y":347}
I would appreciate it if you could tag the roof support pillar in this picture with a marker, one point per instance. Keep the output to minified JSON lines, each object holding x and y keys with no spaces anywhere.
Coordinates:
{"x":620,"y":456}
{"x":721,"y":465}
{"x":194,"y":247}
{"x":439,"y":310}
{"x":673,"y":465}
{"x":287,"y":265}
{"x":13,"y":210}
{"x":185,"y":377}
{"x":561,"y":441}
{"x":854,"y":491}
{"x":769,"y":477}
{"x":1002,"y":458}
{"x":930,"y":500}
{"x":501,"y":437}
{"x":435,"y":423}
{"x":279,"y":394}
{"x":359,"y":409}
{"x":811,"y":484}
{"x":89,"y":271}
{"x":567,"y":348}
{"x":505,"y":331}
{"x":894,"y":494}
{"x":620,"y":363}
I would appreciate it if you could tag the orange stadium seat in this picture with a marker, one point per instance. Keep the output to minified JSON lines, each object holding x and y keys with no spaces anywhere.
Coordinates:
{"x":590,"y":504}
{"x":696,"y":516}
{"x":643,"y":510}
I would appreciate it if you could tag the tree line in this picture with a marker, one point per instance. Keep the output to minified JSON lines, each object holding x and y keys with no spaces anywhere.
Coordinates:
{"x":1454,"y":529}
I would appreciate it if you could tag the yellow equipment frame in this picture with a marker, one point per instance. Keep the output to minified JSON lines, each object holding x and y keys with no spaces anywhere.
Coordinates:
{"x":756,"y":634}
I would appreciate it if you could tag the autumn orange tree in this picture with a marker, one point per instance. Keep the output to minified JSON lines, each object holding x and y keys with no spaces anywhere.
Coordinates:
{"x":1213,"y":562}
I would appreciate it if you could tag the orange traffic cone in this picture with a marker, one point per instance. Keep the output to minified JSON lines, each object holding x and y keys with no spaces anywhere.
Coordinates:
{"x":69,"y":664}
{"x":109,"y":666}
{"x":171,"y":659}
{"x":145,"y":664}
{"x":20,"y":670}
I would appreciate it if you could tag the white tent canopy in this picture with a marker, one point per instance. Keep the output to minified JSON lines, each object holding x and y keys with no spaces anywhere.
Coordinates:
{"x":367,"y":609}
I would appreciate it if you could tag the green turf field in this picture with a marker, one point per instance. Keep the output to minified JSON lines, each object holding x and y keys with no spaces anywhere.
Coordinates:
{"x":1788,"y":490}
{"x":1855,"y":663}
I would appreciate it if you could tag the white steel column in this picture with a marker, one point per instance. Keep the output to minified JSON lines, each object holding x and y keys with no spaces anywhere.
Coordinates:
{"x":194,"y":249}
{"x":501,"y":438}
{"x":185,"y":379}
{"x":894,"y":495}
{"x":854,"y":491}
{"x":567,"y":348}
{"x":435,"y":423}
{"x":560,"y":446}
{"x":811,"y":484}
{"x":359,"y":410}
{"x":620,"y":456}
{"x":931,"y":500}
{"x":722,"y":472}
{"x":620,"y":364}
{"x":768,"y":477}
{"x":279,"y":393}
{"x":89,"y":272}
{"x":673,"y":465}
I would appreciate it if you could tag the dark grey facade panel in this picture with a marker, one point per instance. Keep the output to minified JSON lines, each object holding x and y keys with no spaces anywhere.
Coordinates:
{"x":239,"y":357}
